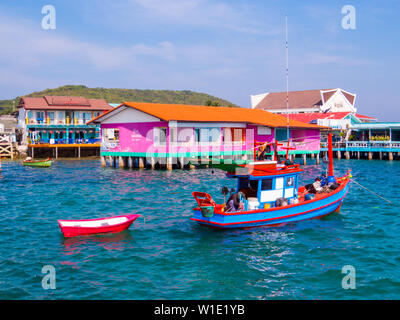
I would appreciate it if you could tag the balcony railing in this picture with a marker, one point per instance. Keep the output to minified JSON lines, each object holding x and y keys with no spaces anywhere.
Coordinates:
{"x":364,"y":144}
{"x":65,"y":141}
{"x":56,"y":121}
{"x":373,"y":144}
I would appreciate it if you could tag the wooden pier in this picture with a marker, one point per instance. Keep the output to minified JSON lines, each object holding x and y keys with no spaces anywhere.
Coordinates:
{"x":57,"y":150}
{"x":170,"y":163}
{"x":7,"y":148}
{"x":380,"y":150}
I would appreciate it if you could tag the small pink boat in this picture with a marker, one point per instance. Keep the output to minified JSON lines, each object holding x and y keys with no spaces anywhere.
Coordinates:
{"x":73,"y":228}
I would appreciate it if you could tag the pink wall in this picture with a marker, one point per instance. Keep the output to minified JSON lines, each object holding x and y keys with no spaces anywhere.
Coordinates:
{"x":139,"y":137}
{"x":306,"y":139}
{"x":136,"y":137}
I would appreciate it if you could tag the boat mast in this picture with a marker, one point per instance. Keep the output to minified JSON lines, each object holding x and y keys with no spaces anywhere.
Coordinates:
{"x":331,"y":177}
{"x":287,"y":82}
{"x":287,"y":92}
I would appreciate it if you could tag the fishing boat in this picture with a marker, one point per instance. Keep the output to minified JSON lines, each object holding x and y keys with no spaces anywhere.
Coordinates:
{"x":268,"y":194}
{"x":73,"y":228}
{"x":37,"y":163}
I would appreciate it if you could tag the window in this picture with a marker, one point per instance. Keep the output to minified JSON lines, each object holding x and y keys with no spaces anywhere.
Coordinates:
{"x":266,"y":184}
{"x":116,"y":134}
{"x":234,"y":135}
{"x":197,"y":134}
{"x":160,"y":136}
{"x":173,"y":134}
{"x":86,"y":117}
{"x":281,"y":134}
{"x":39,"y":116}
{"x":243,"y":183}
{"x":208,"y":135}
{"x":61,"y":117}
{"x":263,"y":131}
{"x":289,"y":181}
{"x":50,"y":115}
{"x":254,"y":184}
{"x":185,"y":135}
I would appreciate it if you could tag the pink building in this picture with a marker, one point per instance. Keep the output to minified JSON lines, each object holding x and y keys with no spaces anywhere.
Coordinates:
{"x":169,"y":134}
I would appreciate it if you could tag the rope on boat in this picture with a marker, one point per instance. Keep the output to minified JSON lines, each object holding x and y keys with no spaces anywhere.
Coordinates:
{"x":144,"y":220}
{"x":294,"y":139}
{"x":371,"y":191}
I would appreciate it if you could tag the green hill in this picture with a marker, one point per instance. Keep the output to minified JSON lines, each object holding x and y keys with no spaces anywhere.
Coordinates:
{"x":120,"y":95}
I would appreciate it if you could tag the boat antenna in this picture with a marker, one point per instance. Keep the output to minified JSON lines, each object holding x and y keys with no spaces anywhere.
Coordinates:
{"x":287,"y":80}
{"x":287,"y":90}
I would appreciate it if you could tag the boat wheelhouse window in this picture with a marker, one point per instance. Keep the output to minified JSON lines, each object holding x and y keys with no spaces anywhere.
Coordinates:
{"x":266,"y":184}
{"x":289,"y":181}
{"x":243,"y":183}
{"x":254,"y":184}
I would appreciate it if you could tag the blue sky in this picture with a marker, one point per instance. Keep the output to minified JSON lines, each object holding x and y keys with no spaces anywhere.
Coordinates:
{"x":230,"y":49}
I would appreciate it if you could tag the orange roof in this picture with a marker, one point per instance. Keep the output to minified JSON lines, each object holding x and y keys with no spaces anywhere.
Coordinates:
{"x":179,"y":112}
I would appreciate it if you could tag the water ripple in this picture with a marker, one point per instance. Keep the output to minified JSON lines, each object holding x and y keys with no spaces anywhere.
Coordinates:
{"x":167,"y":256}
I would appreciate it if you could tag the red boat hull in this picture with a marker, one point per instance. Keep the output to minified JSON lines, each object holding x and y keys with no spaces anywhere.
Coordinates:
{"x":73,"y":228}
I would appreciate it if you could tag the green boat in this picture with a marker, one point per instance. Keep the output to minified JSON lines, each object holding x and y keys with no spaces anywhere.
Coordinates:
{"x":38,"y":163}
{"x":228,"y":165}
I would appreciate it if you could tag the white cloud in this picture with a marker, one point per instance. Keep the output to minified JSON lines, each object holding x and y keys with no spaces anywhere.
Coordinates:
{"x":324,"y":58}
{"x":24,"y":44}
{"x":212,"y":14}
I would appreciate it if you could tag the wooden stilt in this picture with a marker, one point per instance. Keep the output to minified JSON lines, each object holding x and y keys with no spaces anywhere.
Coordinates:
{"x":347,"y":154}
{"x":169,"y":163}
{"x":358,"y":155}
{"x":120,"y":162}
{"x":152,"y":163}
{"x":369,"y":155}
{"x":380,"y":155}
{"x":304,"y":159}
{"x":140,"y":163}
{"x":339,"y":154}
{"x":390,"y":156}
{"x":79,"y":152}
{"x":103,"y":161}
{"x":182,"y":162}
{"x":317,"y":158}
{"x":312,"y":155}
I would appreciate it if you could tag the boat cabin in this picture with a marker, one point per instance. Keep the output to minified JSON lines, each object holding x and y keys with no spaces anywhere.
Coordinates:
{"x":260,"y":185}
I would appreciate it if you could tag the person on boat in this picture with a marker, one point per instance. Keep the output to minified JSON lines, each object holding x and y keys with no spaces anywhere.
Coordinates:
{"x":262,"y":150}
{"x":314,"y":187}
{"x":233,"y":203}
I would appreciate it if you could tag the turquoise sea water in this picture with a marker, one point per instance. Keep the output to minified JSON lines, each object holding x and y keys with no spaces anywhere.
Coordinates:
{"x":168,"y":256}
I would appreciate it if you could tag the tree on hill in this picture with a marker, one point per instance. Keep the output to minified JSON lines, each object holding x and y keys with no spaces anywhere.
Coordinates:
{"x":114,"y":95}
